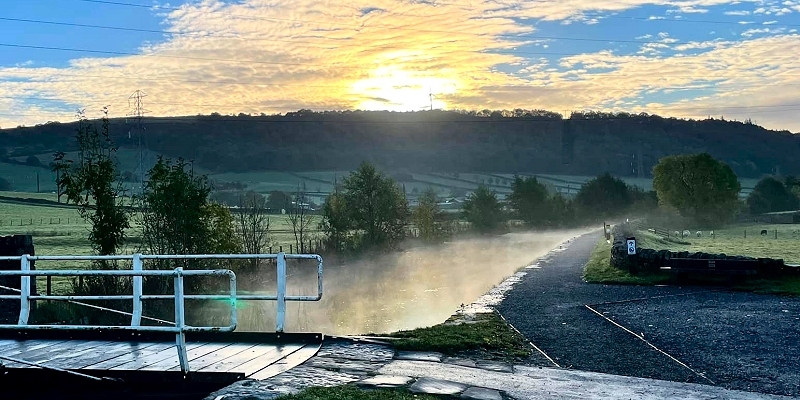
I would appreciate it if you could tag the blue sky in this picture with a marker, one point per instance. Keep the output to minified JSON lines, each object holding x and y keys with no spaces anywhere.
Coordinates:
{"x":688,"y":58}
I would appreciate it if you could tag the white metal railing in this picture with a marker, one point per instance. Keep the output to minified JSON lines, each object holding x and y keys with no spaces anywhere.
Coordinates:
{"x":137,"y":297}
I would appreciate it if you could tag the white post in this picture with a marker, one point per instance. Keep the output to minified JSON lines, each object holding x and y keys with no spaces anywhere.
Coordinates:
{"x":25,"y":291}
{"x":136,"y":318}
{"x":281,"y":316}
{"x":180,"y":323}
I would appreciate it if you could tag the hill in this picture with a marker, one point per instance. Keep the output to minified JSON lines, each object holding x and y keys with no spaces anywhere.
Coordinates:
{"x":539,"y":142}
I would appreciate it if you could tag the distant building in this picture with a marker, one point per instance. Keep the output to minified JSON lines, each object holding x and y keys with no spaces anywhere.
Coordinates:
{"x":783,"y":217}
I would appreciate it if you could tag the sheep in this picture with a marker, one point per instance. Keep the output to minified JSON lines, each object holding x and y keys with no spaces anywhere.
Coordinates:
{"x":686,"y":233}
{"x":677,"y":233}
{"x":763,"y":232}
{"x":699,"y":234}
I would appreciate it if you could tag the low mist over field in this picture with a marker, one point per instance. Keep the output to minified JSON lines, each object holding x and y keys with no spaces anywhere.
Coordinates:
{"x":405,"y":290}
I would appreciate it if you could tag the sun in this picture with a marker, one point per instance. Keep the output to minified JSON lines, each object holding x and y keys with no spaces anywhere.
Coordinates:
{"x":395,"y":89}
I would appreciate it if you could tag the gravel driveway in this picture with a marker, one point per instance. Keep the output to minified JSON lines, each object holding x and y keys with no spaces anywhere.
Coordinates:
{"x":739,"y":341}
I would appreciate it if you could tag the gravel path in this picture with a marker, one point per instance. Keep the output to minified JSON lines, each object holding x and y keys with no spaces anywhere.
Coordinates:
{"x":724,"y":342}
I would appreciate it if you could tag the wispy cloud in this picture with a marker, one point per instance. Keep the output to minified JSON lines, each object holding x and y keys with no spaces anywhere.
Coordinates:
{"x":271,"y":56}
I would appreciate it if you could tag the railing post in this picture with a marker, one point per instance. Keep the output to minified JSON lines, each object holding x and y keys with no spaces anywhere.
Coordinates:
{"x":281,"y":315}
{"x":136,"y":318}
{"x":180,"y":323}
{"x":25,"y":291}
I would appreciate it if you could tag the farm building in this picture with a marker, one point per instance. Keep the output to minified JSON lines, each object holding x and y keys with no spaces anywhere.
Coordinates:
{"x":783,"y":217}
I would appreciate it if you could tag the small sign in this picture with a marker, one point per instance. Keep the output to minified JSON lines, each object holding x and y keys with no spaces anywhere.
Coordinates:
{"x":631,"y":247}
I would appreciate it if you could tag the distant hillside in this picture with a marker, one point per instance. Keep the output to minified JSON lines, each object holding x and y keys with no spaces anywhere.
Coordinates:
{"x":436,"y":141}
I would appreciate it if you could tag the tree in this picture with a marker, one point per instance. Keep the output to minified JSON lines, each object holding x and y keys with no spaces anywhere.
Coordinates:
{"x":93,"y":184}
{"x":253,"y":224}
{"x":562,"y":211}
{"x":483,"y":210}
{"x":5,"y":185}
{"x":771,"y":195}
{"x":277,"y":200}
{"x":376,"y":207}
{"x":177,"y":218}
{"x":529,"y":200}
{"x":33,"y":161}
{"x":299,"y":217}
{"x":604,"y":196}
{"x":428,"y":217}
{"x":698,"y":186}
{"x":336,"y":223}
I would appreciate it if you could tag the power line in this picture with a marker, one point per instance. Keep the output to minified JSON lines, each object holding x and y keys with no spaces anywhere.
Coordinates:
{"x":241,"y":37}
{"x":122,"y":53}
{"x":251,"y":17}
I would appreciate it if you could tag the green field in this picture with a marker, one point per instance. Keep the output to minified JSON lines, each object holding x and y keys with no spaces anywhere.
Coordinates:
{"x":730,"y":241}
{"x":59,"y":230}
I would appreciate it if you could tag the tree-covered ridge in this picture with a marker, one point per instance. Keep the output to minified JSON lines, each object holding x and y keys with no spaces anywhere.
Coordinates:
{"x":506,"y":141}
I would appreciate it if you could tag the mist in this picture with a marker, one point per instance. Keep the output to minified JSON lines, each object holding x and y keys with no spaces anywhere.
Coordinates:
{"x":418,"y":287}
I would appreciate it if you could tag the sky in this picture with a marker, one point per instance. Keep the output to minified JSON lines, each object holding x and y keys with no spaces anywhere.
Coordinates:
{"x":736,"y":60}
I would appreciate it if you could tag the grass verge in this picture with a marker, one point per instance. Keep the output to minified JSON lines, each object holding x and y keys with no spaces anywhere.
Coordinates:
{"x":349,"y":392}
{"x":599,"y":269}
{"x":486,"y":336}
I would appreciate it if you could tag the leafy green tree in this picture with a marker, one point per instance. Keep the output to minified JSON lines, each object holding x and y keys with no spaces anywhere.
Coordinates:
{"x":771,"y":195}
{"x":562,"y":211}
{"x":428,"y":218}
{"x":178,"y":218}
{"x":336,"y":223}
{"x":93,"y":184}
{"x":277,"y":201}
{"x":33,"y":161}
{"x":699,"y":187}
{"x":484,"y":211}
{"x":603,"y":196}
{"x":377,"y":207}
{"x":530,"y":201}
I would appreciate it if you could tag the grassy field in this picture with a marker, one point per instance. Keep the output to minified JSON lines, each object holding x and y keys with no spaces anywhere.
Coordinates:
{"x":730,"y":241}
{"x":59,"y":230}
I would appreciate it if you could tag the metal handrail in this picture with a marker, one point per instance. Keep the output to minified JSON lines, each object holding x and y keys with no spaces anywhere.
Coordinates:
{"x":137,"y":273}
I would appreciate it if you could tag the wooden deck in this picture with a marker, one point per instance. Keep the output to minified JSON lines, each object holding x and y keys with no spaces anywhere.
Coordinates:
{"x":239,"y":356}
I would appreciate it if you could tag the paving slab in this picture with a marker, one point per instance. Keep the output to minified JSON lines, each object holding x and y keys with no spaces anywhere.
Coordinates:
{"x":478,"y":393}
{"x":532,"y":383}
{"x":386,"y":381}
{"x":495,"y":366}
{"x":437,"y":386}
{"x":419,"y":356}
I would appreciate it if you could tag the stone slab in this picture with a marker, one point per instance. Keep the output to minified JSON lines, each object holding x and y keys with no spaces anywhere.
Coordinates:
{"x":437,"y":386}
{"x":386,"y":381}
{"x":479,"y":393}
{"x":494,"y":366}
{"x":551,"y":383}
{"x":419,"y":356}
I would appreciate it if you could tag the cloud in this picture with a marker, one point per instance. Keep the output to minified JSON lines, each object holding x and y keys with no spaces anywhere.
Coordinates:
{"x":271,"y":56}
{"x":737,"y":13}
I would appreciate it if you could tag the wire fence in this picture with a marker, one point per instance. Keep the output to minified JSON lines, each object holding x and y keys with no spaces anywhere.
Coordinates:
{"x":42,"y":221}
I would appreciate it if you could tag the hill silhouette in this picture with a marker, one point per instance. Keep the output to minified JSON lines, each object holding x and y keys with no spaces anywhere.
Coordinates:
{"x":445,"y":141}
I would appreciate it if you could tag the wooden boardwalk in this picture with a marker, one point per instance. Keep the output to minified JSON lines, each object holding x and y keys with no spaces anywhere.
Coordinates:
{"x":234,"y":355}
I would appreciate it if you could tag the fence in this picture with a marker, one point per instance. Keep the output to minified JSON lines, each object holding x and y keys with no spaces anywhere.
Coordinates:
{"x":137,"y":273}
{"x":42,"y":221}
